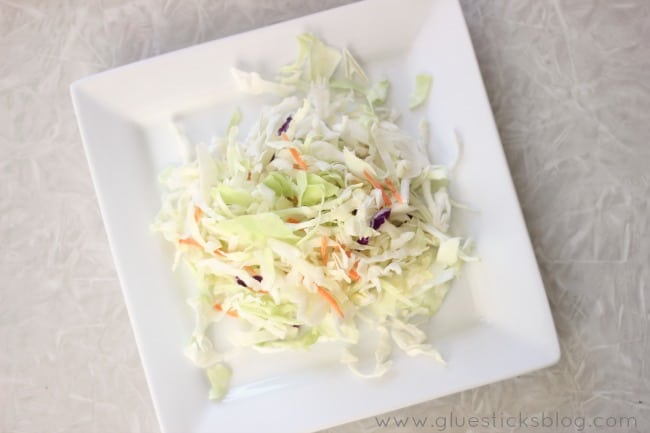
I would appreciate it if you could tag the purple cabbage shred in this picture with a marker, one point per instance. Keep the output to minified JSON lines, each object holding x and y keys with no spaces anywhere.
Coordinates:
{"x":379,"y":218}
{"x":258,"y":278}
{"x":363,"y":241}
{"x":285,"y":125}
{"x":240,"y":282}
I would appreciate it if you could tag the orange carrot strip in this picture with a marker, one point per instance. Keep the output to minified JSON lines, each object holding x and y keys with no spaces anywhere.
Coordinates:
{"x":231,"y":313}
{"x":354,"y":275}
{"x":296,"y":156}
{"x":285,"y":137}
{"x":323,"y":249}
{"x":378,"y":186}
{"x":372,"y":180}
{"x":262,"y":291}
{"x":197,"y":213}
{"x":330,"y":300}
{"x":345,"y":250}
{"x":250,"y":270}
{"x":394,"y":190}
{"x":292,"y":220}
{"x":219,"y":252}
{"x":190,"y":241}
{"x":387,"y":200}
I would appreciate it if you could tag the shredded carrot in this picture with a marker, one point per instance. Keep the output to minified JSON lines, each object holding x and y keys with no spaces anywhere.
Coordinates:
{"x":190,"y":241}
{"x":374,"y":182}
{"x":387,"y":200}
{"x":354,"y":275}
{"x":394,"y":190}
{"x":345,"y":250}
{"x":262,"y":291}
{"x":250,"y":270}
{"x":285,"y":137}
{"x":219,"y":252}
{"x":231,"y":313}
{"x":378,"y":186}
{"x":292,"y":220}
{"x":197,"y":213}
{"x":330,"y":300}
{"x":323,"y":249}
{"x":296,"y":155}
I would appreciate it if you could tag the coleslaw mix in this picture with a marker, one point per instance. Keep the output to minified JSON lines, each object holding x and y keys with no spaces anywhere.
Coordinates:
{"x":325,"y":216}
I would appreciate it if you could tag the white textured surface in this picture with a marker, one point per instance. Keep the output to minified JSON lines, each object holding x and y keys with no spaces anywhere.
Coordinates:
{"x":569,"y":81}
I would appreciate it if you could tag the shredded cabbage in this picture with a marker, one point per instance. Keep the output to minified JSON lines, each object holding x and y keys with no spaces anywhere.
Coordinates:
{"x":219,"y":377}
{"x":422,"y":89}
{"x":327,"y":214}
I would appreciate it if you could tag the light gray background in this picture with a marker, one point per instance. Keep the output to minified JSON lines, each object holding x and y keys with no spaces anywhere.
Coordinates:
{"x":569,"y":83}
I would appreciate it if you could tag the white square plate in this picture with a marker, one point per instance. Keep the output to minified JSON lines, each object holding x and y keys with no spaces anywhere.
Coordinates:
{"x":494,"y":324}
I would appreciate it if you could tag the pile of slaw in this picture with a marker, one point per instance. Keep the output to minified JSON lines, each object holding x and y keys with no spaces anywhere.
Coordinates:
{"x":326,"y":216}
